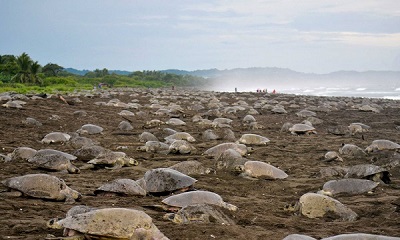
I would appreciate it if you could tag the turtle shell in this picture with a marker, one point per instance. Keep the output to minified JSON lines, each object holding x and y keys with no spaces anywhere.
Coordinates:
{"x":121,"y":223}
{"x":166,"y":180}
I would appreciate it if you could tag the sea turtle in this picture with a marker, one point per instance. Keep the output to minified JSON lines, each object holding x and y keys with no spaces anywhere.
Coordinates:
{"x":56,"y":137}
{"x":42,"y":186}
{"x":314,"y":205}
{"x":12,"y":104}
{"x":154,"y":123}
{"x":301,"y":128}
{"x":109,"y":223}
{"x":253,"y":139}
{"x":260,"y":170}
{"x":209,"y":135}
{"x":382,"y":144}
{"x":314,"y":120}
{"x":45,"y":152}
{"x":122,"y":186}
{"x":352,"y":150}
{"x":306,"y":113}
{"x":350,"y":186}
{"x":86,"y":153}
{"x":181,"y":147}
{"x":220,"y":148}
{"x":80,"y":141}
{"x":248,"y":119}
{"x":298,"y":237}
{"x":180,"y":136}
{"x":165,"y":180}
{"x":31,"y":122}
{"x":147,"y":136}
{"x":90,"y":129}
{"x":229,"y":159}
{"x":191,"y":167}
{"x":369,"y":171}
{"x":328,"y":172}
{"x":80,"y":113}
{"x":22,"y":153}
{"x":126,"y":113}
{"x":113,"y":160}
{"x":360,"y":236}
{"x":358,"y":128}
{"x":197,"y":197}
{"x":125,"y":126}
{"x":278,"y":109}
{"x":226,"y":134}
{"x":332,"y":156}
{"x":200,"y":213}
{"x":175,"y":122}
{"x":154,"y":146}
{"x":286,"y":126}
{"x":338,"y":130}
{"x":54,"y":162}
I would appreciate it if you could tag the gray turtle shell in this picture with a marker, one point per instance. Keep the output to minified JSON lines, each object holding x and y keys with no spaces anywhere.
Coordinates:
{"x":220,"y":148}
{"x":124,"y":186}
{"x":90,"y":129}
{"x":253,"y":139}
{"x":313,"y":205}
{"x":382,"y":144}
{"x":23,"y":153}
{"x":166,"y":180}
{"x":56,"y":137}
{"x":121,"y":223}
{"x":197,"y":197}
{"x":348,"y":186}
{"x":367,"y":171}
{"x":41,"y":186}
{"x":258,"y":169}
{"x":301,"y":128}
{"x":190,"y":167}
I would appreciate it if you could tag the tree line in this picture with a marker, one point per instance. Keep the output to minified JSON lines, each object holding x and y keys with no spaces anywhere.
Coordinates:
{"x":24,"y":70}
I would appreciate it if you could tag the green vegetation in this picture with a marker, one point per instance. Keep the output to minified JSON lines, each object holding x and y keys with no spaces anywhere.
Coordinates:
{"x":23,"y":75}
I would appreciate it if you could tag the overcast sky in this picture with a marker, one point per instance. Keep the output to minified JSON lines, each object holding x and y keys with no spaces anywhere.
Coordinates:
{"x":317,"y":36}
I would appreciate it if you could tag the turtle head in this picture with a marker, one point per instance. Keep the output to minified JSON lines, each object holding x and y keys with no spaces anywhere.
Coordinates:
{"x":230,"y":207}
{"x":53,"y":223}
{"x":238,"y":169}
{"x":326,"y":193}
{"x":73,"y":169}
{"x":132,"y":162}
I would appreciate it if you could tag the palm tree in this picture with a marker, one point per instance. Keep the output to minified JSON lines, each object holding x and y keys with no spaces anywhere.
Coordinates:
{"x":34,"y":70}
{"x":24,"y":62}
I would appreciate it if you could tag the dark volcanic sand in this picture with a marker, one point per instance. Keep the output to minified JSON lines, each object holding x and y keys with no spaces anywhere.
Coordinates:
{"x":261,"y":213}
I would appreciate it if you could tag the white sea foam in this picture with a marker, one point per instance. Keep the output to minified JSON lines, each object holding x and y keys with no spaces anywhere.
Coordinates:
{"x":361,"y":89}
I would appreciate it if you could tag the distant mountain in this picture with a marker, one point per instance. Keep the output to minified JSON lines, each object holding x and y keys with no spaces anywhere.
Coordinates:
{"x":83,"y":72}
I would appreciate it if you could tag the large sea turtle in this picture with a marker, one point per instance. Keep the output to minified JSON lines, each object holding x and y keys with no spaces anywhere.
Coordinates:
{"x":54,"y":162}
{"x":147,"y":136}
{"x":301,"y":128}
{"x":253,"y":139}
{"x":332,"y":156}
{"x":358,"y":128}
{"x":181,"y":147}
{"x":200,"y":213}
{"x":122,"y":186}
{"x":350,"y":186}
{"x":382,"y":144}
{"x":90,"y":129}
{"x":298,"y":237}
{"x":56,"y":137}
{"x":197,"y":197}
{"x":314,"y":205}
{"x":154,"y":146}
{"x":352,"y":150}
{"x":180,"y":136}
{"x":191,"y":167}
{"x":165,"y":180}
{"x":360,"y":236}
{"x":368,"y":171}
{"x":220,"y":148}
{"x":42,"y":186}
{"x":22,"y":153}
{"x":260,"y":170}
{"x":113,"y":160}
{"x":109,"y":223}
